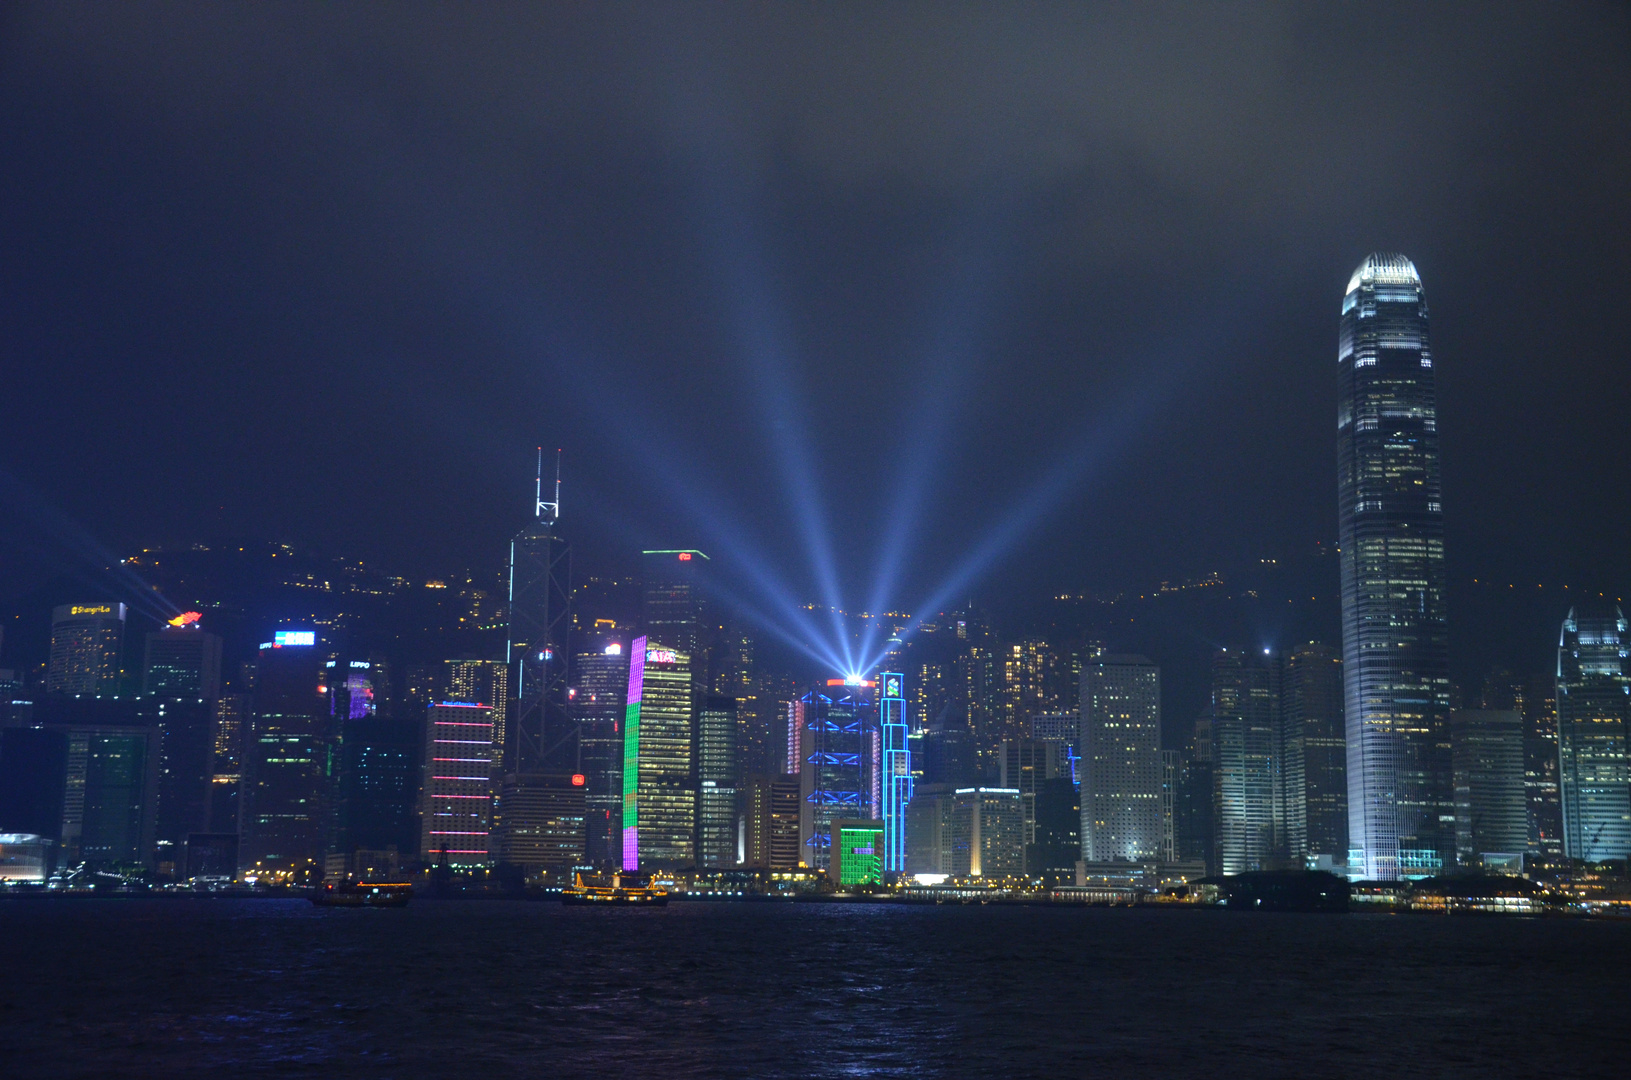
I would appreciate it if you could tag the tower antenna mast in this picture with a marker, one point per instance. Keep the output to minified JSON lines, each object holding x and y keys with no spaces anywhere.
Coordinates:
{"x":547,"y":511}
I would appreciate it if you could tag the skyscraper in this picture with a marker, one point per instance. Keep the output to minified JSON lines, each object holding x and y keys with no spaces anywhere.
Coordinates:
{"x":482,"y":682}
{"x":85,"y":644}
{"x":1121,"y":759}
{"x":1245,"y":726}
{"x":671,"y":599}
{"x":288,"y":794}
{"x":659,"y":799}
{"x":1593,"y":705}
{"x":456,"y":801}
{"x":1391,"y":537}
{"x":182,"y":661}
{"x":716,"y":782}
{"x":987,"y":832}
{"x":1315,"y":774}
{"x":540,"y":734}
{"x":897,"y":768}
{"x":836,"y":744}
{"x":1491,"y":818}
{"x":602,"y":678}
{"x":771,"y":812}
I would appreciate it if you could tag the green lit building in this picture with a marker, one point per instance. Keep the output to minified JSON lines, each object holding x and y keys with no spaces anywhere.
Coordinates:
{"x":857,"y":853}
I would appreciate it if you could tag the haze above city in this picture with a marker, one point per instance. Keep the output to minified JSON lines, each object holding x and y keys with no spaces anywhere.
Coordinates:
{"x":1015,"y":307}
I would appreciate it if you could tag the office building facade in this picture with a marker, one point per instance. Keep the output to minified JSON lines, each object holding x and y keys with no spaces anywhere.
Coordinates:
{"x":1245,"y":760}
{"x":1121,"y":758}
{"x":86,"y":643}
{"x":838,"y":748}
{"x":287,"y":798}
{"x":456,"y":797}
{"x":716,"y":782}
{"x":1593,"y":707}
{"x":1391,"y":537}
{"x":1491,"y":818}
{"x":659,"y":796}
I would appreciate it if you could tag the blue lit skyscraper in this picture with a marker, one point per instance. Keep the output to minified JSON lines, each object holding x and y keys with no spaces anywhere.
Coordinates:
{"x":897,"y":769}
{"x":1593,"y":706}
{"x":1395,"y":656}
{"x":835,"y":741}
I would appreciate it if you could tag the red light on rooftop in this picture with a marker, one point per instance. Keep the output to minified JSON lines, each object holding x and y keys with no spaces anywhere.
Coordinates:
{"x":186,"y":618}
{"x":577,"y":779}
{"x":685,"y":556}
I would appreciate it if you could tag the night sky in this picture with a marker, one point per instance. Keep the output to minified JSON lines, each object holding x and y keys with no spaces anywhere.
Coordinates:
{"x":1020,"y":300}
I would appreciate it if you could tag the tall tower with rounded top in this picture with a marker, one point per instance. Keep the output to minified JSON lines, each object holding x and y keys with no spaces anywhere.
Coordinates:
{"x":1391,"y":532}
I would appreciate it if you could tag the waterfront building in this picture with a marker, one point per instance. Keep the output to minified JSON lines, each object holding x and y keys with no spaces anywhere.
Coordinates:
{"x":539,"y":822}
{"x":1391,"y":538}
{"x":1121,"y":758}
{"x":659,"y":797}
{"x":836,"y":742}
{"x":86,"y":640}
{"x":929,"y":830}
{"x":896,"y":773}
{"x":601,"y":678}
{"x":1315,"y":774}
{"x":771,"y":823}
{"x":185,"y":732}
{"x":1491,"y":819}
{"x":1053,"y":854}
{"x":716,"y":782}
{"x":1245,"y":729}
{"x":1593,"y":701}
{"x":182,"y":661}
{"x":456,"y":799}
{"x":857,"y":852}
{"x":287,"y":799}
{"x":987,"y":832}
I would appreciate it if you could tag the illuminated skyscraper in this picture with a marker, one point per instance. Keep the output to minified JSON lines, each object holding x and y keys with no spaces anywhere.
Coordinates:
{"x":85,"y":643}
{"x":1391,"y":536}
{"x":456,"y":801}
{"x":839,"y":749}
{"x":539,"y":619}
{"x":1121,"y":759}
{"x":182,"y":661}
{"x":897,"y":768}
{"x":659,"y":799}
{"x":1593,"y":706}
{"x":1491,"y":818}
{"x":597,"y":702}
{"x":1026,"y":765}
{"x":482,"y":682}
{"x":716,"y":782}
{"x":1315,"y":773}
{"x":987,"y":833}
{"x":771,"y":814}
{"x":1245,"y":715}
{"x":288,"y":791}
{"x":671,"y":599}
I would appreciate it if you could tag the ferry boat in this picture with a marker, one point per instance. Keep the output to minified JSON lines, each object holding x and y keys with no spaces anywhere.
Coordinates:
{"x":614,"y":888}
{"x":362,"y":894}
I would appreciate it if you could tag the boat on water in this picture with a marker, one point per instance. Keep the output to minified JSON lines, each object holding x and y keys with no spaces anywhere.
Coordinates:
{"x":362,"y":894}
{"x":615,"y":887}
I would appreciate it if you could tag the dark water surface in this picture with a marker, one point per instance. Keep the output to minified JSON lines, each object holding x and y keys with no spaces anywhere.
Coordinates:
{"x":196,"y":987}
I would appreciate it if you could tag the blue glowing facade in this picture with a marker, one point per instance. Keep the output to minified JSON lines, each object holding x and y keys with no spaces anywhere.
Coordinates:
{"x":897,"y":769}
{"x":838,"y":749}
{"x":1395,"y":651}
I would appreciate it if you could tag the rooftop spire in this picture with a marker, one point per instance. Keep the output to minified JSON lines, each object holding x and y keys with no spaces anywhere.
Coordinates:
{"x":548,"y":512}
